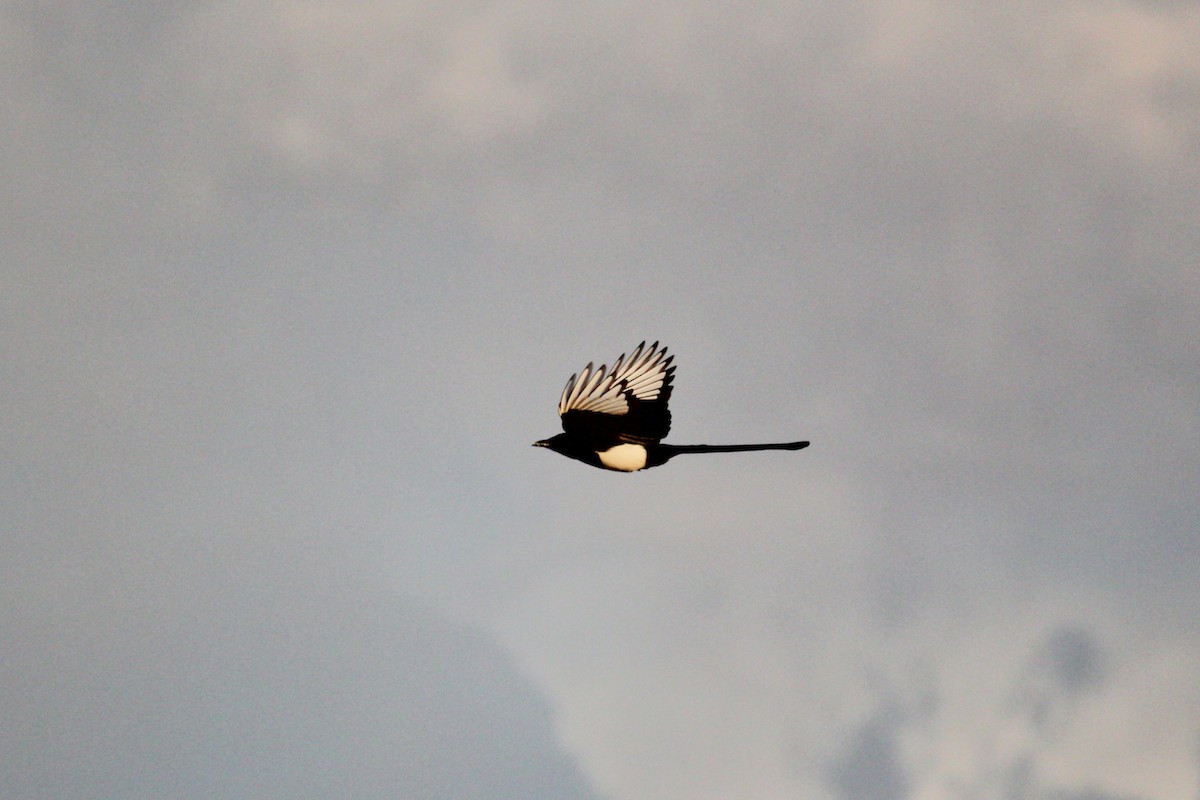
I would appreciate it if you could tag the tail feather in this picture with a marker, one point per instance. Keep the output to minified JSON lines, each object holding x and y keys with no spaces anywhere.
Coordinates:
{"x":676,"y":449}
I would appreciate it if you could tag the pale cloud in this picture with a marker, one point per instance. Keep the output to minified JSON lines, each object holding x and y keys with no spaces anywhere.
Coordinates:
{"x":1116,"y":72}
{"x":680,"y":685}
{"x":360,"y":88}
{"x":1004,"y":707}
{"x":476,"y":88}
{"x":1129,"y":72}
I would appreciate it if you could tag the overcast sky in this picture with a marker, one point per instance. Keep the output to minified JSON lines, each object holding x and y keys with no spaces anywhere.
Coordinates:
{"x":288,"y":288}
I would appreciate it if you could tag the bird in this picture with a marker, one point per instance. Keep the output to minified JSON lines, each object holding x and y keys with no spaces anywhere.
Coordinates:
{"x":616,"y":418}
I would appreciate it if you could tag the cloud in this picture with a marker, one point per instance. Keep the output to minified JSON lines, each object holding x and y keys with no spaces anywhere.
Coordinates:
{"x":871,"y":768}
{"x":671,"y":682}
{"x":1035,"y":707}
{"x":291,"y":287}
{"x":240,"y":690}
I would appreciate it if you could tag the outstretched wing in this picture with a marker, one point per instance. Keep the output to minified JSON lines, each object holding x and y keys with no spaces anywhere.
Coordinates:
{"x":645,"y":377}
{"x":627,"y":403}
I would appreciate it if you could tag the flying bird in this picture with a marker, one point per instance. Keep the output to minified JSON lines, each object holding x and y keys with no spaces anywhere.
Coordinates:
{"x":617,"y":418}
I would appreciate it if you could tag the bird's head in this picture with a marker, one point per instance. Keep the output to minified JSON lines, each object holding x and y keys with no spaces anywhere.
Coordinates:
{"x":555,"y":443}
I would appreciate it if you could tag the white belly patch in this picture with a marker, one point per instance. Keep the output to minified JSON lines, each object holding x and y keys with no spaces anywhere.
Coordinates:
{"x":624,"y":457}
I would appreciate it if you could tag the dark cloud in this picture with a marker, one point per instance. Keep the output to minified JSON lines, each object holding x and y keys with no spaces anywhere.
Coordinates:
{"x":1066,"y":665}
{"x":241,"y":692}
{"x":871,"y":767}
{"x":1073,"y":659}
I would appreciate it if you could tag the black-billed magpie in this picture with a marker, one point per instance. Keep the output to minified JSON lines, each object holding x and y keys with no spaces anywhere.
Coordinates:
{"x":615,"y":419}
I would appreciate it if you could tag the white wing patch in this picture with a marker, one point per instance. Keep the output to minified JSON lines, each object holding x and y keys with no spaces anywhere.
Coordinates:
{"x":606,"y":391}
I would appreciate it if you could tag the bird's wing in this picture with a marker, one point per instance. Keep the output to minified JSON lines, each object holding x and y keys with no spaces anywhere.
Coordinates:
{"x":629,"y":401}
{"x":644,"y":376}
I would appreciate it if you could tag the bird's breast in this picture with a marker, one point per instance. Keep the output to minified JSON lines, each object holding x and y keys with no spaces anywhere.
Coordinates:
{"x":624,"y":457}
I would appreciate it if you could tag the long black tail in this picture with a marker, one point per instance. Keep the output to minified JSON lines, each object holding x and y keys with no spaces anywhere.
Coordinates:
{"x":670,"y":450}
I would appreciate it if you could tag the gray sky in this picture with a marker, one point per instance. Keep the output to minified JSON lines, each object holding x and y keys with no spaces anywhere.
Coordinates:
{"x":289,"y":288}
